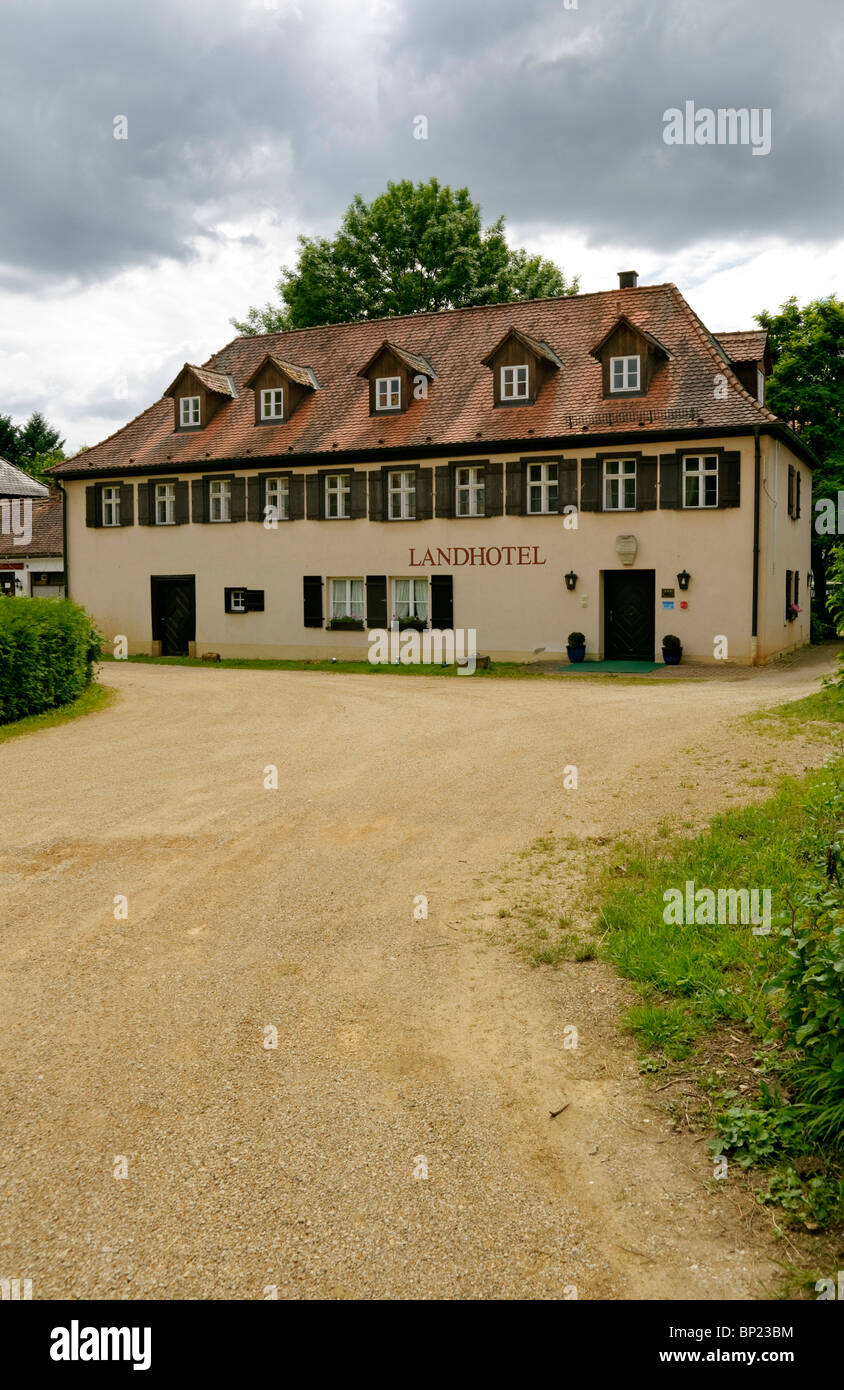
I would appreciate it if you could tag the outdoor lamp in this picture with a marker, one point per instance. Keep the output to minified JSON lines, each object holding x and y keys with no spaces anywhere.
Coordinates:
{"x":683,"y":579}
{"x":571,"y":580}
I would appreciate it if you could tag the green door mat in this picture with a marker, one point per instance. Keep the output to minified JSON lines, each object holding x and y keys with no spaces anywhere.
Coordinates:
{"x":595,"y":668}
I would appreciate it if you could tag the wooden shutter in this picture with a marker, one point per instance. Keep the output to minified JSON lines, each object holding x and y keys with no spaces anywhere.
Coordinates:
{"x":493,"y":489}
{"x":199,"y":500}
{"x":669,"y":481}
{"x":444,"y":490}
{"x":146,"y":503}
{"x":797,"y":498}
{"x":442,"y":601}
{"x":227,"y":599}
{"x":127,"y":504}
{"x":788,"y":575}
{"x":182,"y":507}
{"x":795,"y":584}
{"x":357,"y":495}
{"x":254,"y":600}
{"x":424,"y":494}
{"x":790,"y":490}
{"x":376,"y":600}
{"x":516,"y":500}
{"x":729,"y":480}
{"x":567,"y":490}
{"x":296,"y":497}
{"x":238,"y":504}
{"x":314,"y":495}
{"x":254,"y":490}
{"x":92,"y":506}
{"x":646,"y":484}
{"x":376,"y":495}
{"x":312,"y":587}
{"x":590,"y":485}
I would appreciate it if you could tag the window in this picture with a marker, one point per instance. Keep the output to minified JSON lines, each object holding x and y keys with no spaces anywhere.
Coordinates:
{"x":337,"y":495}
{"x":542,"y":485}
{"x":700,"y":480}
{"x":760,"y":386}
{"x":189,"y":410}
{"x":238,"y":601}
{"x":277,"y":499}
{"x":410,"y":599}
{"x":514,"y":383}
{"x":469,"y":491}
{"x":624,"y":374}
{"x":401,"y":496}
{"x":619,"y":485}
{"x":111,"y":506}
{"x":165,"y":504}
{"x":347,"y":599}
{"x":272,"y":404}
{"x":388,"y":393}
{"x":220,"y":499}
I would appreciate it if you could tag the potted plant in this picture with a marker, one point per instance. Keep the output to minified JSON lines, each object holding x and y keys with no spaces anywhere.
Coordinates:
{"x":672,"y":650}
{"x":415,"y":624}
{"x":346,"y":623}
{"x":576,"y":646}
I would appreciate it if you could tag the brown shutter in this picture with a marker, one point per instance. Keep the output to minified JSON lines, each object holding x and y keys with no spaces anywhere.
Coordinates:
{"x":146,"y":501}
{"x":493,"y":489}
{"x":646,"y":484}
{"x":442,"y":601}
{"x":376,"y":600}
{"x":254,"y":600}
{"x":729,"y":480}
{"x":443,"y":490}
{"x":227,"y":599}
{"x":182,"y":507}
{"x":790,"y":507}
{"x":788,"y":595}
{"x":567,"y":490}
{"x":516,"y":500}
{"x":238,"y":512}
{"x":797,"y":498}
{"x":669,"y":481}
{"x":314,"y":495}
{"x":199,"y":500}
{"x":312,"y":590}
{"x":127,"y":504}
{"x":376,"y":495}
{"x":357,"y":495}
{"x":254,"y":489}
{"x":590,"y":485}
{"x":424,"y":494}
{"x":92,"y":506}
{"x":296,"y":497}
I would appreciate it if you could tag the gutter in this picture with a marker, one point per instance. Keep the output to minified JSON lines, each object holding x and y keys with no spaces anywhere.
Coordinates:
{"x":757,"y":473}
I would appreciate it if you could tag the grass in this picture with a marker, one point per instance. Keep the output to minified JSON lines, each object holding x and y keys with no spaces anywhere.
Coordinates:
{"x":94,"y":697}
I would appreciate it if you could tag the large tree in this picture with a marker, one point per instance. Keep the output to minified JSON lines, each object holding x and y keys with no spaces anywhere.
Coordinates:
{"x":33,"y":446}
{"x":806,"y":388}
{"x":415,"y":247}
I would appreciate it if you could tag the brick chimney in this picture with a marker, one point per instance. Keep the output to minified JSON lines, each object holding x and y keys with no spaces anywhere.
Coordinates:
{"x":628,"y":279}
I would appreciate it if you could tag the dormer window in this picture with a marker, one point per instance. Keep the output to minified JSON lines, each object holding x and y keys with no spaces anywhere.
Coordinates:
{"x":272,"y":404}
{"x":279,"y":387}
{"x":625,"y":374}
{"x":388,"y":393}
{"x":188,"y":411}
{"x":514,"y":383}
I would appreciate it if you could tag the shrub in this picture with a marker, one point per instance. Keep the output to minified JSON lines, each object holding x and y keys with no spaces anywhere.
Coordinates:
{"x":576,"y":639}
{"x":672,"y":643}
{"x":47,"y":651}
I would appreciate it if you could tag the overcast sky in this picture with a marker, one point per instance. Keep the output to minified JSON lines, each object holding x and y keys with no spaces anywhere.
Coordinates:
{"x":250,"y":121}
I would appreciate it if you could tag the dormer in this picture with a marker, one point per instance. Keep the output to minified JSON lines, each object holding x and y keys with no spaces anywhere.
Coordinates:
{"x":519,"y":365}
{"x":395,"y":377}
{"x":629,"y":357}
{"x":279,"y":387}
{"x":749,"y":355}
{"x":197,"y":396}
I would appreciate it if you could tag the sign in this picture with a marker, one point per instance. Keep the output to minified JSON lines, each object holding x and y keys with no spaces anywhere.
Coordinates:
{"x":16,"y":565}
{"x":493,"y":555}
{"x":668,"y":593}
{"x":668,"y":603}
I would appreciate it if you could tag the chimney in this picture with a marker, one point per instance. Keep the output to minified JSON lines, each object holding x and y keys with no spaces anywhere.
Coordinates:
{"x":628,"y":279}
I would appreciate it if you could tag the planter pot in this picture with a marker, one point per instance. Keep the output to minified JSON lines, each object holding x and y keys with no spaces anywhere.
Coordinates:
{"x":355,"y":626}
{"x":671,"y":658}
{"x":576,"y":654}
{"x":411,"y":625}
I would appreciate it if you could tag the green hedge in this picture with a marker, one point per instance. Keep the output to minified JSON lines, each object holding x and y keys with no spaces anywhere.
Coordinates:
{"x":47,"y":650}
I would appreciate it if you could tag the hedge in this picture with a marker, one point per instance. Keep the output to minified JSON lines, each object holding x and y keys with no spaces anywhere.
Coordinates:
{"x":48,"y":648}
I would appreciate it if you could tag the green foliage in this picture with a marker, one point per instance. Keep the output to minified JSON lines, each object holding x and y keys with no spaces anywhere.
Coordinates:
{"x":576,"y":639}
{"x":414,"y":248}
{"x":47,"y":651}
{"x":672,"y":643}
{"x":817,"y":1201}
{"x":33,"y":447}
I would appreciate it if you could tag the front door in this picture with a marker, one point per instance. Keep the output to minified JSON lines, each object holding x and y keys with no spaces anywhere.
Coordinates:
{"x":629,"y":626}
{"x":173,"y":612}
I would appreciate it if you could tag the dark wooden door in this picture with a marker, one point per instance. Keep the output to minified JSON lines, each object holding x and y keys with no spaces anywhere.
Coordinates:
{"x":174,"y":613}
{"x":629,"y":624}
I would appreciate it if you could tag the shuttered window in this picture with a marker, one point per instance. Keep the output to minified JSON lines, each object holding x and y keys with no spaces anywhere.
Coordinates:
{"x":347,"y":598}
{"x":220,"y":499}
{"x":700,"y":480}
{"x":542,"y":487}
{"x":165,"y":504}
{"x":401,"y":495}
{"x":337,"y":491}
{"x":277,"y":499}
{"x":410,"y":599}
{"x":110,"y":506}
{"x":469,"y":491}
{"x":619,"y":485}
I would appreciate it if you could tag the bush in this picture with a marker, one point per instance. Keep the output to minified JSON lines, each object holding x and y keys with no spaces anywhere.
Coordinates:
{"x":672,"y":643}
{"x":47,"y":651}
{"x":576,"y":639}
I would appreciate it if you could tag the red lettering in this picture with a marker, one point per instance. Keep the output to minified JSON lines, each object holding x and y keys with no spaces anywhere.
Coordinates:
{"x":536,"y":559}
{"x":460,"y":550}
{"x":494,"y":550}
{"x":477,"y":550}
{"x":443,"y":557}
{"x":524,"y":555}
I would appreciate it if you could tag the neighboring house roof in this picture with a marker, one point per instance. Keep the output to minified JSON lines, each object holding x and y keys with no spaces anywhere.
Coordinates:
{"x":749,"y":346}
{"x":47,"y":538}
{"x":15,"y":483}
{"x":459,"y":407}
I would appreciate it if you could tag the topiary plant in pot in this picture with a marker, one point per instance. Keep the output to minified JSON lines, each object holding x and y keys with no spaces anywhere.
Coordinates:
{"x":576,"y":646}
{"x":672,"y":650}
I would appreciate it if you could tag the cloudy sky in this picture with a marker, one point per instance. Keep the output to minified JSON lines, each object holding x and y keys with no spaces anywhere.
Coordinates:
{"x":250,"y":121}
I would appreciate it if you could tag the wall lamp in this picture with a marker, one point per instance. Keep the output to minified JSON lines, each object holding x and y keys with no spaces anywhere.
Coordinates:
{"x":571,"y":580}
{"x":683,"y":579}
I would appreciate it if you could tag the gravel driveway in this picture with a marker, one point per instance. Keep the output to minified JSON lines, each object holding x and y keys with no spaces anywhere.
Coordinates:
{"x":404,"y":1046}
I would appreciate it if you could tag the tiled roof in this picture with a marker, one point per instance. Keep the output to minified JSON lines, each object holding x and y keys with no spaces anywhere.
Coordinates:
{"x":459,"y":408}
{"x":15,"y":483}
{"x":290,"y":369}
{"x":747,"y":346}
{"x":46,"y":532}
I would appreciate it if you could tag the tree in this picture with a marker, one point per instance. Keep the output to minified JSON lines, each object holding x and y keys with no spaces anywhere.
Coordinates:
{"x":414,"y":248}
{"x":31,"y":447}
{"x":9,"y":439}
{"x":806,"y":388}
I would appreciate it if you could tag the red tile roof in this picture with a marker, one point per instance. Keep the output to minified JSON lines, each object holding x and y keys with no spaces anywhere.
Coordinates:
{"x":46,"y":532}
{"x":747,"y":346}
{"x":459,"y":407}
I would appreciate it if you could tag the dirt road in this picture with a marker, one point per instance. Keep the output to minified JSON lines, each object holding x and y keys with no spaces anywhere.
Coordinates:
{"x":404,"y":1046}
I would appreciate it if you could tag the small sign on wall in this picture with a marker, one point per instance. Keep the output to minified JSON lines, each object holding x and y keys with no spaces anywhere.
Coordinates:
{"x":668,"y":603}
{"x":668,"y":593}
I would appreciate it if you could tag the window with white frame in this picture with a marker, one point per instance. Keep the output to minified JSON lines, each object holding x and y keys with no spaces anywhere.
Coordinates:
{"x":514,"y":383}
{"x":401,"y":495}
{"x":700,"y":480}
{"x":760,"y":386}
{"x":272,"y":404}
{"x":220,"y":499}
{"x":410,"y":599}
{"x":189,"y":410}
{"x":347,"y":598}
{"x":111,"y":506}
{"x":388,"y":393}
{"x":625,"y":374}
{"x":542,"y":487}
{"x":619,"y":485}
{"x":337,"y":492}
{"x":277,"y":499}
{"x":165,"y":504}
{"x":238,"y":601}
{"x":469,"y":492}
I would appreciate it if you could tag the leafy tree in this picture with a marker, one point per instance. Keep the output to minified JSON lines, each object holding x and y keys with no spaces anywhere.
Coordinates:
{"x":806,"y":388}
{"x":38,"y":438}
{"x":414,"y":248}
{"x":33,"y":446}
{"x":9,"y":439}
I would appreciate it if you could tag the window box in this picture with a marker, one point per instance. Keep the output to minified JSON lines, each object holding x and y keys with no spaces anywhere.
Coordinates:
{"x":346,"y":624}
{"x":417,"y":624}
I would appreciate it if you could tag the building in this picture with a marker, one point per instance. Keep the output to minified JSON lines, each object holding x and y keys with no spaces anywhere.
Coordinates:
{"x":600,"y":463}
{"x":31,"y":560}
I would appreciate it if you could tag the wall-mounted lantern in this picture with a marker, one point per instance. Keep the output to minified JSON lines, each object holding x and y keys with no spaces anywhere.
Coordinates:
{"x":571,"y":581}
{"x":683,"y":579}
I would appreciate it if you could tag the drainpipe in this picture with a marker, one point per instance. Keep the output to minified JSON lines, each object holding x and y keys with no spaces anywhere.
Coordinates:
{"x":757,"y":473}
{"x":65,"y":556}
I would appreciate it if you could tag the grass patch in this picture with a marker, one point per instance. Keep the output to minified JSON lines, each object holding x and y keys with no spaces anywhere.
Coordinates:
{"x":94,"y":697}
